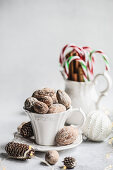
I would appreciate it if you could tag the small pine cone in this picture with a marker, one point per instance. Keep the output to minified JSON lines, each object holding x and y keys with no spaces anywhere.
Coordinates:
{"x":29,"y":103}
{"x":25,"y":129}
{"x":19,"y":151}
{"x":69,"y":162}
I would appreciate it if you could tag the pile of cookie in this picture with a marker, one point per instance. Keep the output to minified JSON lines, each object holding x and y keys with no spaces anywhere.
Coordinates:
{"x":49,"y":101}
{"x":46,"y":101}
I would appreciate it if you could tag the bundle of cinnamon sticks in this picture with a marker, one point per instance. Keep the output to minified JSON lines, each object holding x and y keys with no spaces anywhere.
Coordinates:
{"x":75,"y":69}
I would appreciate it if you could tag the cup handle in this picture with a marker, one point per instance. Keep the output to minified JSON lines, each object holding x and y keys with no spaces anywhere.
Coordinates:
{"x":81,"y":124}
{"x":107,"y":88}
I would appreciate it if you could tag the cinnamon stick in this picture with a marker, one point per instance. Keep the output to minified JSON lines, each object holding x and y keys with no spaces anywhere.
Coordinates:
{"x":70,"y":70}
{"x":80,"y":74}
{"x":73,"y":67}
{"x":75,"y":77}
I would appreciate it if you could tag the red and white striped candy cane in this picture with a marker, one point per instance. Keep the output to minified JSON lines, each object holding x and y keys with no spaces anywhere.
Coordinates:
{"x":105,"y":58}
{"x":91,"y":61}
{"x":83,"y":65}
{"x":77,"y":49}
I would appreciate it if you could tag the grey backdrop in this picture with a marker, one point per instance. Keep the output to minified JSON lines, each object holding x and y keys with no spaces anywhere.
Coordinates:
{"x":32,"y":33}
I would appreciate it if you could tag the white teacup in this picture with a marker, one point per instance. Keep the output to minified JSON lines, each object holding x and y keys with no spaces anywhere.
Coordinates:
{"x":46,"y":126}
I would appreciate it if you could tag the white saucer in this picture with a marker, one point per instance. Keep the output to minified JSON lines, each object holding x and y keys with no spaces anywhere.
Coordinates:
{"x":20,"y":139}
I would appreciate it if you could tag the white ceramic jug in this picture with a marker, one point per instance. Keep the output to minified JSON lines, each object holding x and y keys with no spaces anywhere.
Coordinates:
{"x":84,"y":94}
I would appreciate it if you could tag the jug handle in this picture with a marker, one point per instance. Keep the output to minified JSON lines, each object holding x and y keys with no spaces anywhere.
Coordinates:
{"x":107,"y":88}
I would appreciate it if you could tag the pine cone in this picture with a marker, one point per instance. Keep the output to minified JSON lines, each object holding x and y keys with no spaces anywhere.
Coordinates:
{"x":69,"y":162}
{"x":19,"y":151}
{"x":25,"y":129}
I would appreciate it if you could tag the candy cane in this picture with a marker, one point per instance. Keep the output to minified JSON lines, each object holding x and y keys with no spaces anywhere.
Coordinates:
{"x":67,"y":62}
{"x":85,"y":57}
{"x":83,"y":65}
{"x":105,"y":58}
{"x":77,"y":49}
{"x":91,"y":60}
{"x":90,"y":64}
{"x":62,"y":54}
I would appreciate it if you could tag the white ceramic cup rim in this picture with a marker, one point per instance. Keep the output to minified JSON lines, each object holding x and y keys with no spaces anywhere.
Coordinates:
{"x":48,"y":114}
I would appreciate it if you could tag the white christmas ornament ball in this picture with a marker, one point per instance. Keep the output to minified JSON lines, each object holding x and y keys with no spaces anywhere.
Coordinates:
{"x":97,"y":126}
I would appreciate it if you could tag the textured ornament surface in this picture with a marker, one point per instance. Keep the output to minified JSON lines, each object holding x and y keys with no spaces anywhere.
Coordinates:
{"x":97,"y":126}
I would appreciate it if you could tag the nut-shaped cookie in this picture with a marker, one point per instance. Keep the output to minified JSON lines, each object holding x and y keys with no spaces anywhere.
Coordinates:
{"x":66,"y":136}
{"x":46,"y":99}
{"x":46,"y":92}
{"x":63,"y":98}
{"x":29,"y":103}
{"x":56,"y":108}
{"x":40,"y":107}
{"x":54,"y":98}
{"x":52,"y":157}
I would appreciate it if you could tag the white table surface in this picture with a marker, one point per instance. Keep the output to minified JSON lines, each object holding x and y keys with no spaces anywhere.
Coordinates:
{"x":32,"y":33}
